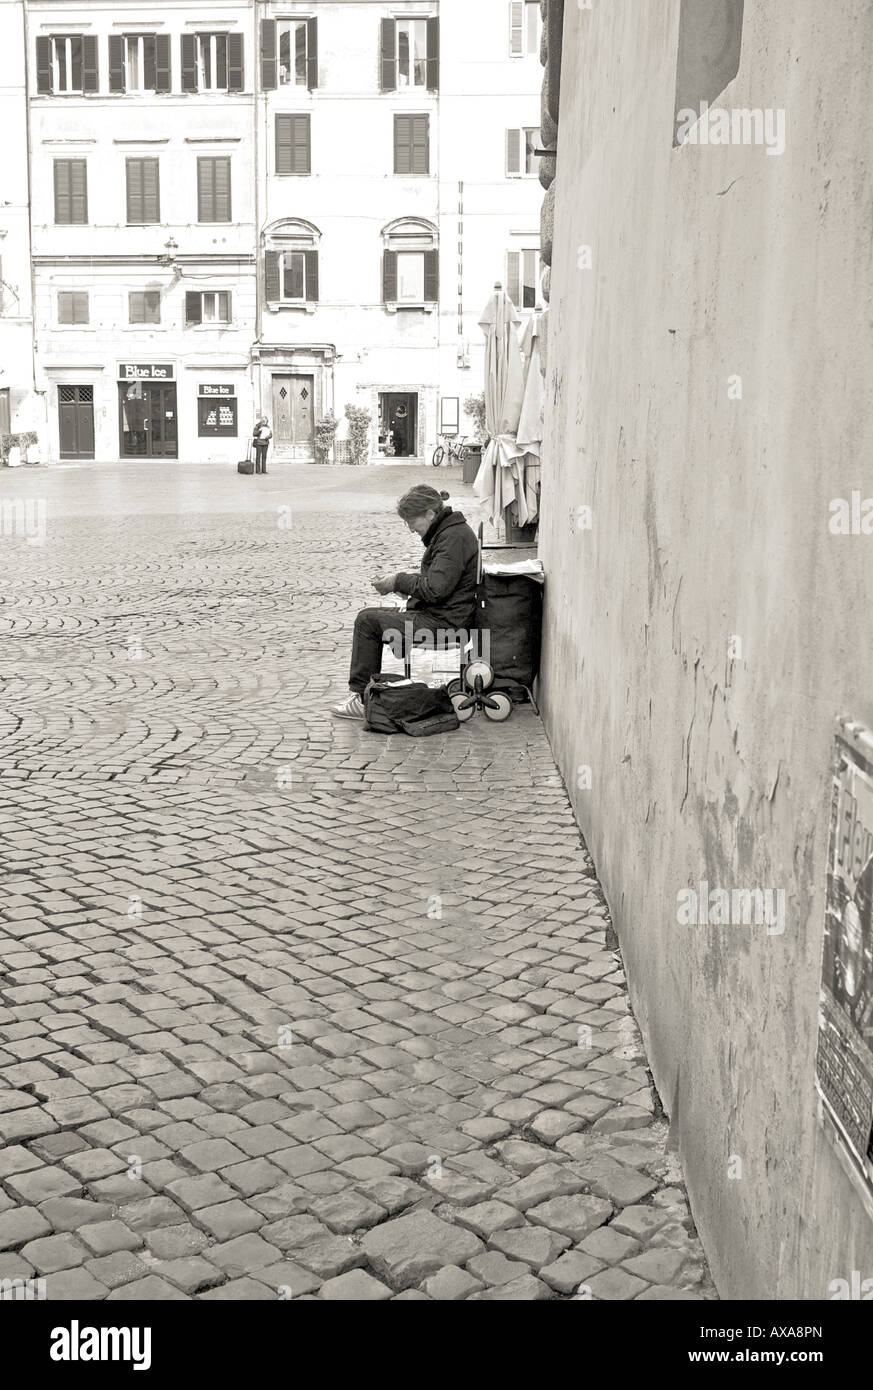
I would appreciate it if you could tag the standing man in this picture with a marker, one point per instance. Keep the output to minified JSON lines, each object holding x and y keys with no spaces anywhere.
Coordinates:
{"x":261,"y":440}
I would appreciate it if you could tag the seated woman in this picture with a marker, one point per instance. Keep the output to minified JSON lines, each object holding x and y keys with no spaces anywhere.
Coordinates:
{"x":442,"y":596}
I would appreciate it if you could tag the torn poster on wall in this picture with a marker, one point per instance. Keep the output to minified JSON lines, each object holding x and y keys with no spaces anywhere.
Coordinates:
{"x":844,"y":1060}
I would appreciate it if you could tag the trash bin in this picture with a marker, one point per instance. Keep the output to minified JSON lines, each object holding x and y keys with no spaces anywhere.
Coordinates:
{"x":472,"y":463}
{"x":524,"y":535}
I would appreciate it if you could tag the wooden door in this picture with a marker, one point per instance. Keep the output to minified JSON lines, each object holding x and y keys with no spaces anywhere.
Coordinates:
{"x":161,"y":430}
{"x":76,"y":421}
{"x":294,"y":415}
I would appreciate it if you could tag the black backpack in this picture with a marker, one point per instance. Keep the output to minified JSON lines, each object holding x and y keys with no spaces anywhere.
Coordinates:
{"x":393,"y":705}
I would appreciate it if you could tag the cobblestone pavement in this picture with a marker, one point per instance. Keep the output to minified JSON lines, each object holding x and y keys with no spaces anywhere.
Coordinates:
{"x":287,"y":1008}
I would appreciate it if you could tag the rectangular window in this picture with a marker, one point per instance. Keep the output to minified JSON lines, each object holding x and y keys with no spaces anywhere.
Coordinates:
{"x":294,"y":276}
{"x":524,"y":28}
{"x":213,"y":189}
{"x":66,"y":64}
{"x":293,"y":144}
{"x":217,"y":416}
{"x":411,"y":145}
{"x":523,"y":277}
{"x":292,"y":55}
{"x":144,"y":306}
{"x":410,"y":277}
{"x":71,"y":192}
{"x":212,"y":63}
{"x":73,"y":306}
{"x":521,"y":157}
{"x":411,"y":52}
{"x":143,"y":192}
{"x":207,"y":306}
{"x":139,"y":63}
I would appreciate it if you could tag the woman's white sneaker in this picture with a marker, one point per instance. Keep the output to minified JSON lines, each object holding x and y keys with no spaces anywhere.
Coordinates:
{"x":351,"y":708}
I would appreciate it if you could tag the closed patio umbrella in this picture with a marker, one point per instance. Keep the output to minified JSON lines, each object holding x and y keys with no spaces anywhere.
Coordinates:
{"x":530,"y":425}
{"x":499,"y":481}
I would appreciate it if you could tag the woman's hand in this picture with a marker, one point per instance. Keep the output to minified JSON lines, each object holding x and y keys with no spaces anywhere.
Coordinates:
{"x":385,"y":585}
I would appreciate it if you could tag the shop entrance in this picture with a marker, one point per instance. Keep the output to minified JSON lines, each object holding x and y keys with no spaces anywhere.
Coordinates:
{"x":147,"y":419}
{"x":398,"y":424}
{"x":76,"y":422}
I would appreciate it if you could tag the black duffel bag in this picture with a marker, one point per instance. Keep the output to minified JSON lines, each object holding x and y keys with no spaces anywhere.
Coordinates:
{"x":393,"y":705}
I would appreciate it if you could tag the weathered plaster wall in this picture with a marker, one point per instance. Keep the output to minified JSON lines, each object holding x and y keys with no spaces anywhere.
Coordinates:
{"x":710,"y":520}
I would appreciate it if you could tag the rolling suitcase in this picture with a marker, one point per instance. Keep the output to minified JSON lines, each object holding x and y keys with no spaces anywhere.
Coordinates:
{"x":246,"y":465}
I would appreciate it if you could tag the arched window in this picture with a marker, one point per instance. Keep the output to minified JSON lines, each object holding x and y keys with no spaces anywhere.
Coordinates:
{"x":410,"y":264}
{"x":291,"y":264}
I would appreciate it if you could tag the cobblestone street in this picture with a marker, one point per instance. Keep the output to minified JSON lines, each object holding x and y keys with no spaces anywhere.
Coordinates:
{"x":288,"y":1008}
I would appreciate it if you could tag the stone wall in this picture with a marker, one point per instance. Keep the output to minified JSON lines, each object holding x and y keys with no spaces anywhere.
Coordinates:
{"x":708,"y":395}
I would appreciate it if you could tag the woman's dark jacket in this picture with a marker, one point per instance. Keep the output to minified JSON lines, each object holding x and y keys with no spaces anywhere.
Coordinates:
{"x":446,"y":584}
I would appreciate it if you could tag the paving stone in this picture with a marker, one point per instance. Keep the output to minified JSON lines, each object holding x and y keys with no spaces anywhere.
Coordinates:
{"x":609,"y":1245}
{"x":175,"y":1242}
{"x":74,"y":1286}
{"x":394,"y":1194}
{"x":570,"y":1271}
{"x":288,"y":1279}
{"x":552,"y":1125}
{"x":37,"y":1186}
{"x":575,"y":1217}
{"x":641,"y":1222}
{"x":107,"y":1237}
{"x":347,"y":1211}
{"x":548,"y":1180}
{"x":330,"y":1256}
{"x":20,"y":1226}
{"x":17,"y":1159}
{"x":522,"y":1156}
{"x":151,"y":1289}
{"x":615,"y":1284}
{"x":150,"y":1213}
{"x":485,"y":1129}
{"x":667,"y":1293}
{"x":190,"y":1273}
{"x":122,"y":1267}
{"x":524,"y":1289}
{"x":242,"y":1255}
{"x":355,"y":1286}
{"x":70,"y":1213}
{"x":493,"y":1268}
{"x":656,"y":1266}
{"x":534,"y":1245}
{"x":406,"y":1249}
{"x":487,"y":1217}
{"x":52,"y":1253}
{"x":229,"y":1219}
{"x":450,"y":1284}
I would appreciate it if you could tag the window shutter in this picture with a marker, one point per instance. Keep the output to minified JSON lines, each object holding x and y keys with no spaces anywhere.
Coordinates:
{"x":513,"y":152}
{"x":222,"y":190}
{"x":516,"y":28}
{"x":312,"y":276}
{"x":205,"y":190}
{"x":402,"y":145}
{"x":43,"y":65}
{"x":431,"y":276}
{"x":269,"y":71}
{"x":134,"y":191}
{"x":433,"y":55}
{"x":189,"y":63}
{"x":302,"y":145}
{"x":162,"y":63}
{"x":116,"y":63}
{"x":235,"y":63}
{"x":62,"y":191}
{"x":272,"y":285}
{"x":284,"y":145}
{"x":312,"y":54}
{"x":151,"y":201}
{"x":90,"y":76}
{"x":79,"y":191}
{"x":388,"y":78}
{"x":389,"y":277}
{"x":193,"y":307}
{"x":513,"y":276}
{"x":420,"y":145}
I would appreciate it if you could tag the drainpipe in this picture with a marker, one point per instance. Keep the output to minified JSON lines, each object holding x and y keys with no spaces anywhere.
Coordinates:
{"x":257,"y":389}
{"x":28,"y":142}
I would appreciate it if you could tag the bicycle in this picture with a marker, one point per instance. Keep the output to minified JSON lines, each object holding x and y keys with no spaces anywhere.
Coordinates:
{"x":457,"y":451}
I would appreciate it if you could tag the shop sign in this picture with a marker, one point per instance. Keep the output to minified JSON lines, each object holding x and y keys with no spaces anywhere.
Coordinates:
{"x":217,"y":390}
{"x":149,"y":371}
{"x":844,"y":1060}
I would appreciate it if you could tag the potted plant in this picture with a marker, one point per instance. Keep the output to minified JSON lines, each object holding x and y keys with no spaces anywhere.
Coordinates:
{"x":324,"y":436}
{"x":474,"y":407}
{"x":359,"y":419}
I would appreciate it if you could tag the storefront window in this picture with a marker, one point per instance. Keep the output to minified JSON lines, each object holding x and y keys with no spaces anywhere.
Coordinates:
{"x":217,"y":416}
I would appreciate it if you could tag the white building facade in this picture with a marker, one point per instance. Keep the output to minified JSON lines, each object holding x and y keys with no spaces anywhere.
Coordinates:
{"x":246,"y":206}
{"x":20,"y":409}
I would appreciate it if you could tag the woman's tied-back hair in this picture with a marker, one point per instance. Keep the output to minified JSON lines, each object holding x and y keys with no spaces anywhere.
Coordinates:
{"x":419,"y":500}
